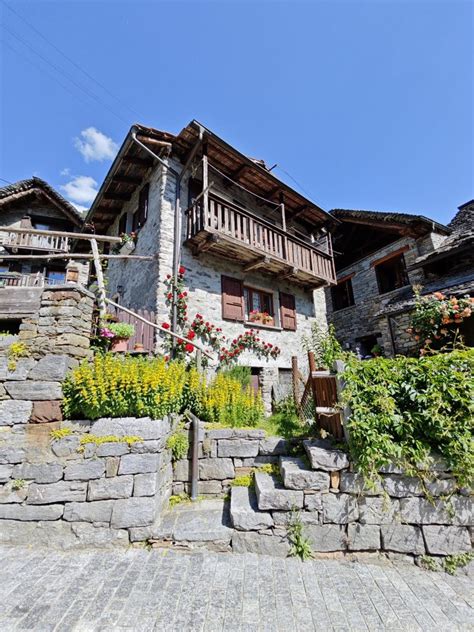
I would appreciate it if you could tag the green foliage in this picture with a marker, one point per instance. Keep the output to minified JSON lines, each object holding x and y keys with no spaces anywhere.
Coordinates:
{"x":60,"y":433}
{"x":300,"y":544}
{"x":227,"y":403}
{"x":90,"y":438}
{"x":452,"y":562}
{"x":15,"y":351}
{"x":178,"y":499}
{"x":429,"y":563}
{"x":404,"y":409}
{"x":285,"y":422}
{"x":245,"y":480}
{"x":324,"y":344}
{"x":242,"y":374}
{"x":121,"y":330}
{"x":18,"y":483}
{"x":178,"y":443}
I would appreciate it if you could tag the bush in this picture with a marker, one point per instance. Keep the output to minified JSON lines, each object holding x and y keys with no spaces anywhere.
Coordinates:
{"x":403,"y":409}
{"x":178,"y":443}
{"x":241,"y":373}
{"x":114,"y":386}
{"x":122,"y":330}
{"x":324,"y":344}
{"x":227,"y":403}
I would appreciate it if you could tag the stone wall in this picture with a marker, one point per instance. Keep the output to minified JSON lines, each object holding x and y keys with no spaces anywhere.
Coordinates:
{"x":225,"y":454}
{"x":56,"y":334}
{"x":363,"y":318}
{"x":68,"y":492}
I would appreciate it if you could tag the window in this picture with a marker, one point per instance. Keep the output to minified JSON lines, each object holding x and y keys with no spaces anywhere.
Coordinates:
{"x":55,"y":277}
{"x":141,"y":214}
{"x":391,"y":273}
{"x":258,"y":302}
{"x":342,"y":294}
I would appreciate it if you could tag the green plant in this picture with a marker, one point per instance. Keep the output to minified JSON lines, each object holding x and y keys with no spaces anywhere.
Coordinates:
{"x":178,"y":443}
{"x":60,"y":433}
{"x":452,"y":562}
{"x":227,"y":403}
{"x":242,"y":374}
{"x":429,"y":563}
{"x":18,"y":483}
{"x":376,"y":350}
{"x":177,"y":499}
{"x":300,"y":544}
{"x":90,"y":438}
{"x":245,"y":480}
{"x":324,"y":344}
{"x":15,"y":351}
{"x":405,"y":409}
{"x":121,"y":330}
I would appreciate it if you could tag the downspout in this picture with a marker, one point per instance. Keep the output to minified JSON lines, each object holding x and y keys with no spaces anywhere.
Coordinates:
{"x":177,"y":213}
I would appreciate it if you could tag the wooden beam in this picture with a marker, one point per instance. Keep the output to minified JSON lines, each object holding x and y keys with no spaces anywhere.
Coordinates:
{"x":269,"y":195}
{"x":136,"y":160}
{"x":257,"y":263}
{"x":69,"y":255}
{"x":205,"y":245}
{"x":122,"y":178}
{"x":111,"y":195}
{"x":100,"y":279}
{"x":299,"y":211}
{"x":289,"y":273}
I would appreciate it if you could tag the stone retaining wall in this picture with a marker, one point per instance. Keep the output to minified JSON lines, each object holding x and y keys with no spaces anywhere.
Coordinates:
{"x":69,"y":493}
{"x":225,"y":454}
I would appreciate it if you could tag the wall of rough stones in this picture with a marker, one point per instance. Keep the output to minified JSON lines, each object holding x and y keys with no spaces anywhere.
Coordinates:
{"x":340,"y":513}
{"x":68,"y":493}
{"x":224,"y":454}
{"x":364,"y":318}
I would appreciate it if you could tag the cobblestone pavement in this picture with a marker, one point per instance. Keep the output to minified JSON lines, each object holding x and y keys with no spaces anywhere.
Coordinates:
{"x":179,"y":591}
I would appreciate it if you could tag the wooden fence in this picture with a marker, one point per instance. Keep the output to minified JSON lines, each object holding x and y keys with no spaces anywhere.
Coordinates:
{"x":144,"y":333}
{"x":319,"y":397}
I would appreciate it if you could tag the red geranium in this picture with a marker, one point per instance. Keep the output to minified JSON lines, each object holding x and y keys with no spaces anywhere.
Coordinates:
{"x":165,"y":325}
{"x":189,"y":348}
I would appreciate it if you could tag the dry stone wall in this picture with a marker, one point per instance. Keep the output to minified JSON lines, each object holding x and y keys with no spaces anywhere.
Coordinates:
{"x":91,"y":487}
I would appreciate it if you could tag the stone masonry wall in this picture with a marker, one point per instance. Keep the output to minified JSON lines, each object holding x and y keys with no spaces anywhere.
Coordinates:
{"x":362,"y":319}
{"x":68,"y":493}
{"x":224,"y":454}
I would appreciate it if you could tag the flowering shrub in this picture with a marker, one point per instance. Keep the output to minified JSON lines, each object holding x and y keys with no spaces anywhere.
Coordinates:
{"x":227,"y":403}
{"x":436,"y":317}
{"x":113,"y":386}
{"x":403,"y":409}
{"x":206,"y":332}
{"x":248,"y":341}
{"x":260,"y":317}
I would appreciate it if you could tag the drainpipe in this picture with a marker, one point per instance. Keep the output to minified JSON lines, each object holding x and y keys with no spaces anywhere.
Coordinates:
{"x":177,"y":212}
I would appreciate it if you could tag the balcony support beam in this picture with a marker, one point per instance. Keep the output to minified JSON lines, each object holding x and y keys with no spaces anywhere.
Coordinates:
{"x":258,"y":263}
{"x":289,"y":273}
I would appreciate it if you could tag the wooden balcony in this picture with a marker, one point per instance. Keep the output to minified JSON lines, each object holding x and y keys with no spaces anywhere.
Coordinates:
{"x":35,"y":279}
{"x":27,"y":241}
{"x":230,"y":231}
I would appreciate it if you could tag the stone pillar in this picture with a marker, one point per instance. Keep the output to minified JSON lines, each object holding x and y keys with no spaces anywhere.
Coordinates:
{"x":77,"y":272}
{"x":268,"y":377}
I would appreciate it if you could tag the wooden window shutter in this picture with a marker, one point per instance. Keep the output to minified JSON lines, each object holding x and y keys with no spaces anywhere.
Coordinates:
{"x":288,"y":311}
{"x":232,"y":299}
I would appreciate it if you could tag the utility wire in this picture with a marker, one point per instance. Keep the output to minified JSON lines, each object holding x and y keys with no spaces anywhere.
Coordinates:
{"x":295,"y":181}
{"x":62,"y":72}
{"x":7,"y":181}
{"x":70,"y":60}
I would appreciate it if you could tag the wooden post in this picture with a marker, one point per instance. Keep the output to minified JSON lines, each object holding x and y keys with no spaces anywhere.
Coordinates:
{"x":339,"y":367}
{"x":294,"y":375}
{"x":199,"y":360}
{"x":100,"y":279}
{"x":312,"y":369}
{"x":205,"y":185}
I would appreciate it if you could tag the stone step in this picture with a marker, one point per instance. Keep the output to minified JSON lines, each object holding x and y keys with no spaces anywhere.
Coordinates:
{"x":271,"y":495}
{"x":297,"y":475}
{"x":323,"y":456}
{"x":244,"y":512}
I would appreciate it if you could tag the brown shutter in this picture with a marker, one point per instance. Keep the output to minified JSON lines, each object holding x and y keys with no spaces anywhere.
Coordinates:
{"x":232,"y":299}
{"x":288,"y":311}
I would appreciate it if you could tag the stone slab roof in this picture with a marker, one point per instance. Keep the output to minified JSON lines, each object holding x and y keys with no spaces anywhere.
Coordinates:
{"x":390,"y":217}
{"x":35,"y":186}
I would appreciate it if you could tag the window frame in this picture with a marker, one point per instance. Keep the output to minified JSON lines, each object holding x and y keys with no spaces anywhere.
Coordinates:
{"x":249,"y":291}
{"x":349,"y":293}
{"x":396,"y":258}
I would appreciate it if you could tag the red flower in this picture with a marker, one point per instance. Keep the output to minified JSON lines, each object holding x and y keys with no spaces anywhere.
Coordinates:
{"x":167,"y":358}
{"x":165,"y":325}
{"x":190,"y":335}
{"x":170,"y":296}
{"x":182,"y":269}
{"x":180,"y":341}
{"x":168,"y":276}
{"x":189,"y":348}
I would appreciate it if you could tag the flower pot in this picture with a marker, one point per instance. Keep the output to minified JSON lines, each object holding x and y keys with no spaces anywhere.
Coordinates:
{"x":138,"y":347}
{"x":127,"y":248}
{"x":119,"y":345}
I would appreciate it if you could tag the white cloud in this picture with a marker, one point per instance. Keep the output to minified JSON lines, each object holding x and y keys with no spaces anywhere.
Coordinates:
{"x":82,"y":209}
{"x":66,"y":172}
{"x":94,"y":145}
{"x":81,"y":190}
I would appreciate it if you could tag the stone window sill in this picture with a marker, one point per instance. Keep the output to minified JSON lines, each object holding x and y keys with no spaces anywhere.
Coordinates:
{"x":254,"y":325}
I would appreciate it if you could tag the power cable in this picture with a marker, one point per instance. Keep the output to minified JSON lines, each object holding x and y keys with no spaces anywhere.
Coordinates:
{"x":71,"y":61}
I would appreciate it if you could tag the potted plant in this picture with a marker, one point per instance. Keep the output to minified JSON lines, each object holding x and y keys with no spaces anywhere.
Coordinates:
{"x":376,"y":350}
{"x":121,"y":332}
{"x":260,"y":317}
{"x":128,"y":243}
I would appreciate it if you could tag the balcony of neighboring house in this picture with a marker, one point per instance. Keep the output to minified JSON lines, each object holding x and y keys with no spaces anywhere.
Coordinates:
{"x":26,"y":241}
{"x":228,"y":230}
{"x":32,"y":279}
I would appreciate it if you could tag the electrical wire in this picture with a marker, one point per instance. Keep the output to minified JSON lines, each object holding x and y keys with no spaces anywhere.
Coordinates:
{"x":7,"y":181}
{"x":295,"y":181}
{"x":71,"y":61}
{"x":64,"y":74}
{"x":242,"y":187}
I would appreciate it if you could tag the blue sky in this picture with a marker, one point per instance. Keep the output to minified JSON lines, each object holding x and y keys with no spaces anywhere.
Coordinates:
{"x":365,"y":104}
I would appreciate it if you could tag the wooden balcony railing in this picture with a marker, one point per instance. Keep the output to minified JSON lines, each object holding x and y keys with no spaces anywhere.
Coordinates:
{"x":35,"y":279}
{"x":252,"y":235}
{"x":51,"y":243}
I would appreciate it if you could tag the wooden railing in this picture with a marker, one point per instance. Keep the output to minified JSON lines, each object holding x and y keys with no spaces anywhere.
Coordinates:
{"x":35,"y":279}
{"x":258,"y":234}
{"x":51,"y":243}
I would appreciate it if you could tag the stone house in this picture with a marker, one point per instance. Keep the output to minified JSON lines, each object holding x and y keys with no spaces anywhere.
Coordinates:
{"x":247,"y":240}
{"x":379,"y":258}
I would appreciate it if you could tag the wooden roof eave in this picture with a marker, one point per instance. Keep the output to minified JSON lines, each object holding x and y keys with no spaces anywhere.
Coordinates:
{"x":254,"y":175}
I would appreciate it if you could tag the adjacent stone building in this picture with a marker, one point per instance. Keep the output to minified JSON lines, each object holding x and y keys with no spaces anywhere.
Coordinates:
{"x":380,"y":258}
{"x":249,"y":243}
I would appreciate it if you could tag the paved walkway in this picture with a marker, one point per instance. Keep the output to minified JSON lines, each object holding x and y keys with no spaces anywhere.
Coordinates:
{"x":178,"y":591}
